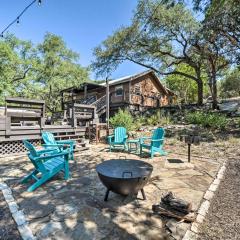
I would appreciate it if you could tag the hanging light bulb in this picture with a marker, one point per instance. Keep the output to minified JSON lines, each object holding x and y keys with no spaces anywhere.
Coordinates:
{"x":39,"y":2}
{"x":1,"y":35}
{"x":18,"y":21}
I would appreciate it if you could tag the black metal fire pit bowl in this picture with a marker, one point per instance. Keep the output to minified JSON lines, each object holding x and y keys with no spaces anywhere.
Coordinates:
{"x":124,"y":176}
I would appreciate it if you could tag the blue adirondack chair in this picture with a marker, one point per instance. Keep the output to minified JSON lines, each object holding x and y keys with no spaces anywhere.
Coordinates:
{"x":156,"y":143}
{"x":50,"y":142}
{"x":47,"y":163}
{"x":118,"y":139}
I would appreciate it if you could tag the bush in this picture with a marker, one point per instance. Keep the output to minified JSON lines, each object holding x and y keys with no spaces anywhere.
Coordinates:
{"x":159,"y":118}
{"x":139,"y":122}
{"x":122,"y":119}
{"x":208,"y":120}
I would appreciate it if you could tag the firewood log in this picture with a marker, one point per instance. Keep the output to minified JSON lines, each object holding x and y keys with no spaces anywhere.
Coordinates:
{"x":162,"y":211}
{"x":176,"y":203}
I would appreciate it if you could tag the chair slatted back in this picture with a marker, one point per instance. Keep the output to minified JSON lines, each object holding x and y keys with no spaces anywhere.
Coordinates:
{"x":48,"y":138}
{"x":158,"y":134}
{"x":120,"y":134}
{"x":32,"y":155}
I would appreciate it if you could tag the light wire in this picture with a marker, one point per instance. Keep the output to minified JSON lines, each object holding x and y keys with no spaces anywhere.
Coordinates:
{"x":17,"y":19}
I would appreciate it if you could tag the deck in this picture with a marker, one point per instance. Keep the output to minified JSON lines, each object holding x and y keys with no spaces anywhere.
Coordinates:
{"x":11,"y":142}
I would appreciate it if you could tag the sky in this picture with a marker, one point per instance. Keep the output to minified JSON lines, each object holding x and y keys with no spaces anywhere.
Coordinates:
{"x":83,"y":24}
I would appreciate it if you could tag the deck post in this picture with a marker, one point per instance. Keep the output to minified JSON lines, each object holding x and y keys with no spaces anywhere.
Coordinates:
{"x":107,"y":103}
{"x":85,"y":91}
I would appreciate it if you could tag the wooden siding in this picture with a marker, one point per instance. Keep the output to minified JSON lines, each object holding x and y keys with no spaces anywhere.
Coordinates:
{"x":144,"y":91}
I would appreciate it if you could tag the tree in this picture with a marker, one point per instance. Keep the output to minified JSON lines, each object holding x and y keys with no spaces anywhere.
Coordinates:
{"x":14,"y":64}
{"x":230,"y":85}
{"x":39,"y":72}
{"x":186,"y":90}
{"x":220,"y":38}
{"x":159,"y":38}
{"x":58,"y":69}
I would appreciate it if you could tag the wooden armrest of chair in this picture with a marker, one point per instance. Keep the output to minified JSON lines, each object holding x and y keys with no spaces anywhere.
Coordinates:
{"x":110,"y":138}
{"x":42,"y":151}
{"x":55,"y":145}
{"x":46,"y":157}
{"x":157,"y":140}
{"x":70,"y":142}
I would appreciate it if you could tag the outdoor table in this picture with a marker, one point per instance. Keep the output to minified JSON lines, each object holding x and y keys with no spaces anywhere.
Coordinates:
{"x":135,"y":142}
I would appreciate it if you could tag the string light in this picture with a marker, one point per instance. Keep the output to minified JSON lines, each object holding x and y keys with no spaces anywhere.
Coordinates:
{"x":17,"y":19}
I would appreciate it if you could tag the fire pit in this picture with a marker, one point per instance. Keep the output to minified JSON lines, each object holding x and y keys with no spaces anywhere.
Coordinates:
{"x":124,"y":176}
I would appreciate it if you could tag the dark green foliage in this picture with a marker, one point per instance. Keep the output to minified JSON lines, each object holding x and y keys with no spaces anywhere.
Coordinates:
{"x":123,"y":119}
{"x":230,"y":85}
{"x":208,"y":120}
{"x":38,"y":72}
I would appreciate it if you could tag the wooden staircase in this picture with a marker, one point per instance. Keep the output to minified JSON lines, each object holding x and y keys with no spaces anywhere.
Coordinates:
{"x":100,"y":105}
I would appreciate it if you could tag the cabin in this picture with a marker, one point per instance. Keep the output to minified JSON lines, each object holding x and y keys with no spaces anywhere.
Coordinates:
{"x":137,"y":93}
{"x":83,"y":111}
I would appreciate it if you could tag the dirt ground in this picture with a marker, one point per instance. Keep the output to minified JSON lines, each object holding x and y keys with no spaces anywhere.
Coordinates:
{"x":223,"y":219}
{"x":8,"y":228}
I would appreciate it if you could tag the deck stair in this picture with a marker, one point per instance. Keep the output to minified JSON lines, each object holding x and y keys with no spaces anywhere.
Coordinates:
{"x":100,"y":105}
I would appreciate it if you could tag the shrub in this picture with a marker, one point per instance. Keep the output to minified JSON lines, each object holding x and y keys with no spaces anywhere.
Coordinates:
{"x":139,"y":122}
{"x":122,"y":119}
{"x":208,"y":120}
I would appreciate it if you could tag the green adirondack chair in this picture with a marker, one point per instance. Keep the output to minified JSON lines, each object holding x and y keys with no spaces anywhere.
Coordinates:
{"x":155,"y":144}
{"x":118,"y":139}
{"x":47,"y":163}
{"x":50,"y":142}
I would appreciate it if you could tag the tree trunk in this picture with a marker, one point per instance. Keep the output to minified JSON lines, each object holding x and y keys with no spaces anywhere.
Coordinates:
{"x":213,"y":82}
{"x":214,"y":91}
{"x":200,"y":92}
{"x":200,"y":86}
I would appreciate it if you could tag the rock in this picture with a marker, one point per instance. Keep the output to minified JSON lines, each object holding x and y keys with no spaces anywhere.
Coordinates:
{"x":199,"y":218}
{"x":35,"y":208}
{"x":177,"y":228}
{"x":7,"y":191}
{"x":216,"y":181}
{"x":208,"y":195}
{"x":190,"y":236}
{"x":204,"y":208}
{"x":213,"y":187}
{"x":19,"y":218}
{"x":49,"y":228}
{"x":195,"y":227}
{"x":64,"y":211}
{"x":8,"y":198}
{"x":3,"y":185}
{"x":13,"y":207}
{"x":86,"y":230}
{"x":26,"y":232}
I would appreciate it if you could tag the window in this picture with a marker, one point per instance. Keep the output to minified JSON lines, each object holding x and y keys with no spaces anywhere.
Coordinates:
{"x":119,"y":91}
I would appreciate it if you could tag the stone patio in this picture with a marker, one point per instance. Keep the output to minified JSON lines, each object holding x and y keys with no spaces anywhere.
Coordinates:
{"x":75,"y":209}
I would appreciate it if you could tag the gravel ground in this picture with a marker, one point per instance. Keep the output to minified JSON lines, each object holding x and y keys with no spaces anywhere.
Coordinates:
{"x":8,"y":228}
{"x":223,"y":219}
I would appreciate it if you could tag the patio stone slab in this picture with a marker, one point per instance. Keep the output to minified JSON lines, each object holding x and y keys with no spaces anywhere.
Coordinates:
{"x":75,"y":209}
{"x":33,"y":208}
{"x":190,"y":172}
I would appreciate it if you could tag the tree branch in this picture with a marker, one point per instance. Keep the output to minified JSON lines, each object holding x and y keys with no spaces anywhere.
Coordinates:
{"x":15,"y":79}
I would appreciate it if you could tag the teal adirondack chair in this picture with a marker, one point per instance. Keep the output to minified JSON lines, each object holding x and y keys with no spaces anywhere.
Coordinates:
{"x":156,"y":143}
{"x":50,"y":142}
{"x":47,"y":163}
{"x":118,"y":139}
